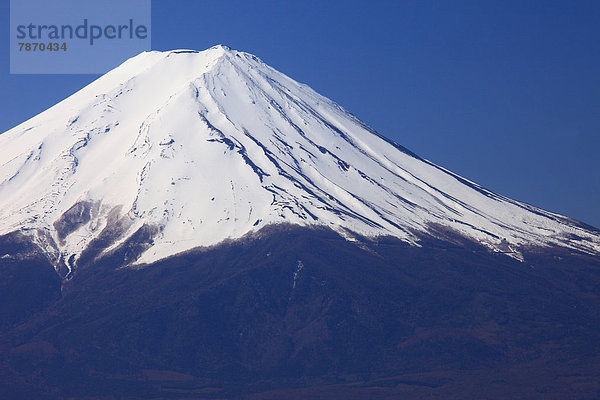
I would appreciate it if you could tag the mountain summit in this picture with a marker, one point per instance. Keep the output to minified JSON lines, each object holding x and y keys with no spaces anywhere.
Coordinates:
{"x":346,"y":266}
{"x":191,"y":148}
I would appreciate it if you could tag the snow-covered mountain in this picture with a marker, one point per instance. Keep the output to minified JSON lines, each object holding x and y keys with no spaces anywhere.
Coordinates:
{"x":198,"y":147}
{"x":327,"y":293}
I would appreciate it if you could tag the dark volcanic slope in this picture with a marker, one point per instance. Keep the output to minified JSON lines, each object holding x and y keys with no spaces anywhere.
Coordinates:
{"x":267,"y":316}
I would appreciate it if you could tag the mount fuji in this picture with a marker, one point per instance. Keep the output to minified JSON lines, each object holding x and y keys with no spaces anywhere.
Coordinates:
{"x":196,"y":224}
{"x":199,"y":147}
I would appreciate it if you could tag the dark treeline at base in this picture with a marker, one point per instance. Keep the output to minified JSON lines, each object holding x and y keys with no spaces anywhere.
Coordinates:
{"x":301,"y":313}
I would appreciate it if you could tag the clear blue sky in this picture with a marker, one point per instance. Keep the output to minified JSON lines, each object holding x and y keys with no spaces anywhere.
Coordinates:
{"x":505,"y":93}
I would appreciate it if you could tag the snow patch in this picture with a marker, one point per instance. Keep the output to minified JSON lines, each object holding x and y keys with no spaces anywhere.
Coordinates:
{"x":212,"y":145}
